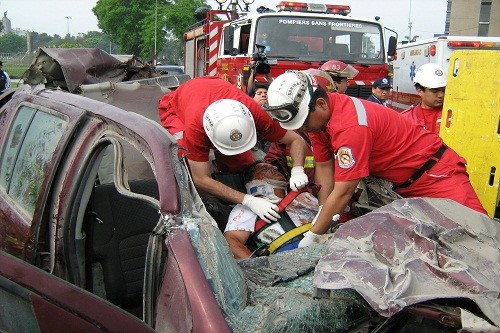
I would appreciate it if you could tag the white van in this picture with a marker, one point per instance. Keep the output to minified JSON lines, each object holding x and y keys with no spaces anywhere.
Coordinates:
{"x":437,"y":50}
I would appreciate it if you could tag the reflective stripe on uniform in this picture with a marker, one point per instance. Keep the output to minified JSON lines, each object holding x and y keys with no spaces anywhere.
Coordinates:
{"x":179,"y":135}
{"x":360,"y":110}
{"x":308,"y":161}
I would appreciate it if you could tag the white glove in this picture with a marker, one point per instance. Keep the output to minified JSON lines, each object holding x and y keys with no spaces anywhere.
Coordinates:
{"x":310,"y":238}
{"x":264,"y":209}
{"x":298,"y":179}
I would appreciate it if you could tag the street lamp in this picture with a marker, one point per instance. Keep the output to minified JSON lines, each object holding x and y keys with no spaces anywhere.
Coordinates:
{"x":220,"y":2}
{"x":234,"y":4}
{"x":247,"y":3}
{"x":67,"y":24}
{"x":156,"y":23}
{"x":409,"y":24}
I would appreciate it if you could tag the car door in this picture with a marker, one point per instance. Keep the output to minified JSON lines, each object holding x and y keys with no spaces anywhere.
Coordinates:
{"x":32,"y":300}
{"x":36,"y":132}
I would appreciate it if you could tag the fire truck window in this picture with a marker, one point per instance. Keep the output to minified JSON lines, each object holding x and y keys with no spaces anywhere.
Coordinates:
{"x":244,"y":43}
{"x":228,"y":37}
{"x":244,"y":37}
{"x":359,"y":41}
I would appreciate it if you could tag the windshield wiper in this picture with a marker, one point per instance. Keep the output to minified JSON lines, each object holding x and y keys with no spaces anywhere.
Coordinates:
{"x":292,"y":58}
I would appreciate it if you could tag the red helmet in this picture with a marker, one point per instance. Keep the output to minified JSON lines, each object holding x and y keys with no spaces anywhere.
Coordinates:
{"x":338,"y":68}
{"x":320,"y":78}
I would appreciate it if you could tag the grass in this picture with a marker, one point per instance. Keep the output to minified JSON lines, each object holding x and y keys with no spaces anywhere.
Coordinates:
{"x":15,"y":71}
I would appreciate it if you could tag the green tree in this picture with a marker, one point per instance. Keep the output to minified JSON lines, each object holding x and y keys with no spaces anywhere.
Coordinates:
{"x":39,"y":40}
{"x":70,"y":45}
{"x":172,"y":50}
{"x":131,"y":24}
{"x":179,"y":17}
{"x":12,"y":43}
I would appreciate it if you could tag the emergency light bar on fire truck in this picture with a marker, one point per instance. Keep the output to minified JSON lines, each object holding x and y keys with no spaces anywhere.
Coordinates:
{"x":312,"y":7}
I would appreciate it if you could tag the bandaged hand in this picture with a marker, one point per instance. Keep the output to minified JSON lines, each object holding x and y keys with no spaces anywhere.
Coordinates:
{"x":310,"y":238}
{"x":335,"y":217}
{"x":298,"y":179}
{"x":266,"y":210}
{"x":317,"y":214}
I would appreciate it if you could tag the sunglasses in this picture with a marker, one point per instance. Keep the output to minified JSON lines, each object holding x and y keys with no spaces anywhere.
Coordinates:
{"x":286,"y":112}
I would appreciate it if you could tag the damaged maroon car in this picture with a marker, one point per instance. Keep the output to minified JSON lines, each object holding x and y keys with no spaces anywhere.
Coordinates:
{"x":92,"y":192}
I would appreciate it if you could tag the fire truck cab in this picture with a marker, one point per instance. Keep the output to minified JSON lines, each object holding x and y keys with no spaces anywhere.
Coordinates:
{"x":296,"y":36}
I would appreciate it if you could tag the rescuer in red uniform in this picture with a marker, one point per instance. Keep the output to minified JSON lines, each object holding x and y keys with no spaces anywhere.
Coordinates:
{"x":353,"y":138}
{"x":279,"y":154}
{"x":209,"y":113}
{"x":430,"y":82}
{"x":340,"y":73}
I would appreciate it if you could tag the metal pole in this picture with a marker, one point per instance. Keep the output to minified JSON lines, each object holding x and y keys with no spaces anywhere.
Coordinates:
{"x":67,"y":24}
{"x":156,"y":23}
{"x":409,"y":24}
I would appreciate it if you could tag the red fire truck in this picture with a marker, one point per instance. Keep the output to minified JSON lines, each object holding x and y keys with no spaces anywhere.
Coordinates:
{"x":296,"y":36}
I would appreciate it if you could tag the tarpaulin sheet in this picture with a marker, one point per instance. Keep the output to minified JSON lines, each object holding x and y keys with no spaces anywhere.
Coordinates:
{"x":414,"y":250}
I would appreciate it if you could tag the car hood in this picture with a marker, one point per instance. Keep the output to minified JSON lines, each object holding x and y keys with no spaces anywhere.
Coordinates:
{"x":414,"y":250}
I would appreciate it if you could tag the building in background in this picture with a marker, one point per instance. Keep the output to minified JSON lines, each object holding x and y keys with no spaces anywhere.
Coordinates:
{"x":473,"y":18}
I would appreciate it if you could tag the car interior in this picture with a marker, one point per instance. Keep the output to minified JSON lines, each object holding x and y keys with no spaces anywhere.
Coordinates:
{"x":112,"y":238}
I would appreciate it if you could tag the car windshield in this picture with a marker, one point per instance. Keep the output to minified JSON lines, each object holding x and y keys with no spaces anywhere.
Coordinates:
{"x":320,"y":39}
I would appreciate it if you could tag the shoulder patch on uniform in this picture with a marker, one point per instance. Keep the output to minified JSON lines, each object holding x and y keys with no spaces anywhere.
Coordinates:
{"x":345,"y":158}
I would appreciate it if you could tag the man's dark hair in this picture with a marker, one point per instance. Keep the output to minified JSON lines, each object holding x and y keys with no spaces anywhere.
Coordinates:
{"x":418,"y":86}
{"x":258,"y":85}
{"x":318,"y":93}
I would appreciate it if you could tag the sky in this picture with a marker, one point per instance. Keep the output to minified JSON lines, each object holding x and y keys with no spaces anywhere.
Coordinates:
{"x":50,"y":16}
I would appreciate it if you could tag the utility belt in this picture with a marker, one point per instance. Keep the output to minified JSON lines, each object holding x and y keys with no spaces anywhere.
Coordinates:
{"x":429,"y":164}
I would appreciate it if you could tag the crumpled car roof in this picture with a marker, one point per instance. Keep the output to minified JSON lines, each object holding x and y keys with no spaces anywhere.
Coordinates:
{"x":70,"y":68}
{"x":414,"y":250}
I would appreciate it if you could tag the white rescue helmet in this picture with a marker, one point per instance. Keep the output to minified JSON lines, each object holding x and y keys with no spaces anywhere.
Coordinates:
{"x":430,"y":76}
{"x":230,"y":127}
{"x":288,"y":99}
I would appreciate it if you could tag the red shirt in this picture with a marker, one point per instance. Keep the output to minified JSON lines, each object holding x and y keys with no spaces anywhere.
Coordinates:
{"x":279,"y":155}
{"x":183,"y":109}
{"x":375,"y":141}
{"x":429,"y":119}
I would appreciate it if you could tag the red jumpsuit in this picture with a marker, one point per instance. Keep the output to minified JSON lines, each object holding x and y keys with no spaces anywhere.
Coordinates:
{"x":374,"y":140}
{"x":279,"y":155}
{"x":430,"y":119}
{"x":181,"y":113}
